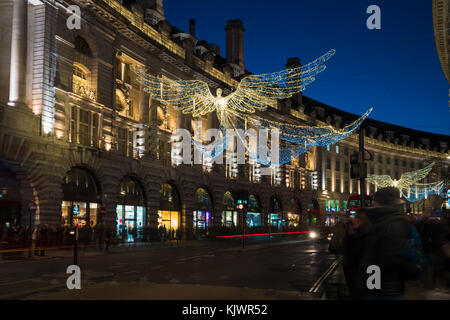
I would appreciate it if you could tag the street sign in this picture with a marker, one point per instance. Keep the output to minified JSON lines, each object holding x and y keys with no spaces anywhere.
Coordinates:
{"x":32,"y":207}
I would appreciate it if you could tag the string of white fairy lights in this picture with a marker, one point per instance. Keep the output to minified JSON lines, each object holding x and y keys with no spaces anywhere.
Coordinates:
{"x":408,"y":184}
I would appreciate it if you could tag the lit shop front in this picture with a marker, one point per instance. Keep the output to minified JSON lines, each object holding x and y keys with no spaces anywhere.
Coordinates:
{"x":81,"y":198}
{"x":169,"y":208}
{"x":229,"y":213}
{"x":130,"y":211}
{"x":203,"y":213}
{"x":276,"y":214}
{"x":313,"y":212}
{"x":332,"y":208}
{"x":294,"y":214}
{"x":254,"y":215}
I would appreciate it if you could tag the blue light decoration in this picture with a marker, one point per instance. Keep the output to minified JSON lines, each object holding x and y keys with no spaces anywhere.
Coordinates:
{"x":420,"y":191}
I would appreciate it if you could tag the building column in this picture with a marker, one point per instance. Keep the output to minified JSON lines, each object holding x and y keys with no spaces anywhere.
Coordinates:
{"x":17,"y":82}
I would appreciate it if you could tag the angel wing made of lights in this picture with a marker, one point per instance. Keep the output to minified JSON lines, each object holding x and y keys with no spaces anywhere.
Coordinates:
{"x":254,"y":92}
{"x":407,"y":179}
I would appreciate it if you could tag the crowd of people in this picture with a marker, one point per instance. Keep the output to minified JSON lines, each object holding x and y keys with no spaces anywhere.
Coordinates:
{"x":43,"y":237}
{"x":405,"y":247}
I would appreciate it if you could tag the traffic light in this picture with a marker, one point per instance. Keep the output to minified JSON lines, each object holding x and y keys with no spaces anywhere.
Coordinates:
{"x":357,"y":170}
{"x":242,"y":199}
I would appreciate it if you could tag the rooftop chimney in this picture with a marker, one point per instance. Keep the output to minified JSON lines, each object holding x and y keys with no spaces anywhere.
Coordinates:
{"x":293,"y":63}
{"x":192,"y":27}
{"x":235,"y":43}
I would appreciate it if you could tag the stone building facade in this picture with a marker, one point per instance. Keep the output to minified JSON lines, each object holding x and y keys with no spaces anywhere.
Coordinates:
{"x":81,"y":139}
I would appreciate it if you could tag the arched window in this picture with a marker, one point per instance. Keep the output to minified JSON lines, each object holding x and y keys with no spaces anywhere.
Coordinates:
{"x":131,"y":192}
{"x":168,"y":213}
{"x":202,"y":212}
{"x":130,"y":210}
{"x":81,"y":198}
{"x":82,"y":46}
{"x":80,"y":82}
{"x":168,"y":197}
{"x":229,"y":213}
{"x":254,"y":204}
{"x":275,"y":204}
{"x":79,"y":73}
{"x":79,"y":184}
{"x":254,"y":215}
{"x":228,"y":201}
{"x":202,"y":199}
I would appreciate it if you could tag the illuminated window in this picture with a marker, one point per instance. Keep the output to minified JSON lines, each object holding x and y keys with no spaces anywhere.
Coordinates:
{"x":84,"y":127}
{"x":337,"y":149}
{"x":125,"y":142}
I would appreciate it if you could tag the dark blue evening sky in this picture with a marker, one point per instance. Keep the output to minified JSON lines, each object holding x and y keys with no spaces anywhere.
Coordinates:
{"x":396,"y":69}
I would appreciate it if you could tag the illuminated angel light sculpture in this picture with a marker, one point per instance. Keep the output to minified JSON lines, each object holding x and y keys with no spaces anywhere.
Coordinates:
{"x":408,"y":184}
{"x":254,"y":93}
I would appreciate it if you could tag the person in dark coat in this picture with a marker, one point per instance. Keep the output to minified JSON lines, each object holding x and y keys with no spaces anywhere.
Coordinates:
{"x":354,"y":244}
{"x":387,"y":245}
{"x":434,"y":238}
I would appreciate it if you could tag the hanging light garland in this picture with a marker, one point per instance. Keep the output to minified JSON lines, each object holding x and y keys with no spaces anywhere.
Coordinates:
{"x":419,"y":191}
{"x":254,"y":93}
{"x":408,"y":184}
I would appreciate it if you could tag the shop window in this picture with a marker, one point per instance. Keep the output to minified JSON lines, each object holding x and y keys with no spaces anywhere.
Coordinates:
{"x":81,"y":198}
{"x":203,"y":206}
{"x":254,"y":214}
{"x":229,"y":218}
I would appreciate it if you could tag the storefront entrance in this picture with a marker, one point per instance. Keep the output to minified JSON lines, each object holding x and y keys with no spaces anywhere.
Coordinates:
{"x":130,"y":212}
{"x":202,"y":215}
{"x":276,"y":215}
{"x":81,"y":199}
{"x":229,"y":214}
{"x":254,"y":215}
{"x":295,"y":214}
{"x":169,"y":212}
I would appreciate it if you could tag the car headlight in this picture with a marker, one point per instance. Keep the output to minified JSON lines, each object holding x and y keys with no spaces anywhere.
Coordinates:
{"x":312,"y":235}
